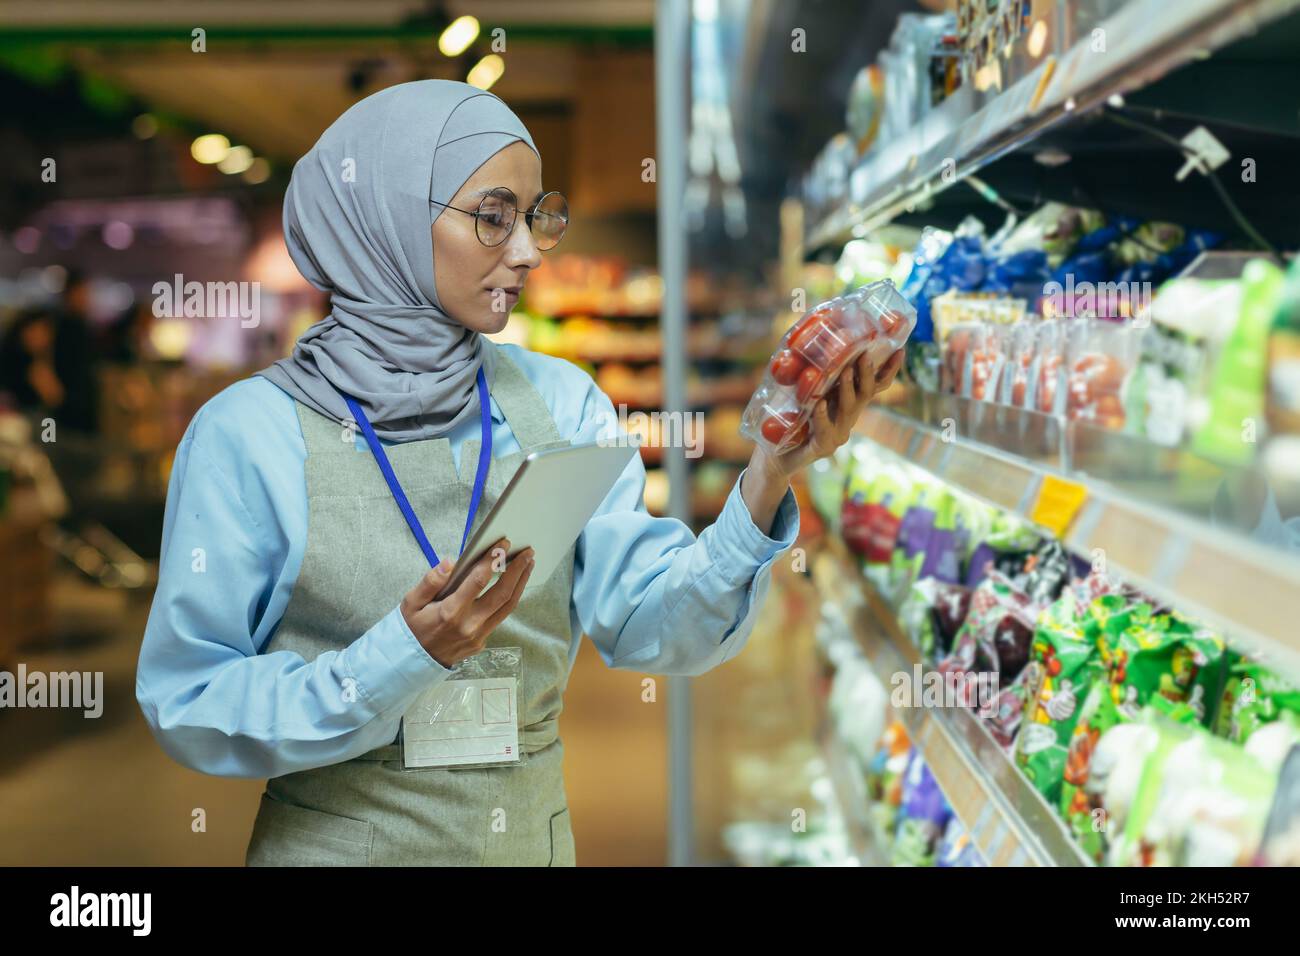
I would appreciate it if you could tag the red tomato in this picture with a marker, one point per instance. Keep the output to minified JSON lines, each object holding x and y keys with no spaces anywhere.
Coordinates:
{"x":810,"y":382}
{"x":776,"y":427}
{"x":892,"y":322}
{"x":787,"y":366}
{"x":822,"y":343}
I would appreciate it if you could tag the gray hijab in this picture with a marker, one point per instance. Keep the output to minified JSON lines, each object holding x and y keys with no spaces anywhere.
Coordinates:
{"x":357,"y":223}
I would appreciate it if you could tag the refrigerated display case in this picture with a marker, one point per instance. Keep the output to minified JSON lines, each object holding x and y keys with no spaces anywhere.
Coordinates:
{"x":1149,"y":440}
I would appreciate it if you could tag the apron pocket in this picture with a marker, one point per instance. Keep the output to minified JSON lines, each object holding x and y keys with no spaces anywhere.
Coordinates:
{"x":562,"y":850}
{"x":289,"y":835}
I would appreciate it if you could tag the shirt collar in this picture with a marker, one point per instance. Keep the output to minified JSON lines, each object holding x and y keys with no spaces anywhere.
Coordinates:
{"x":494,"y":410}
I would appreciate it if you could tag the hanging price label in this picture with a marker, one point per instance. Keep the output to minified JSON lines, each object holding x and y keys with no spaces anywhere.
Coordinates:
{"x":1057,"y":503}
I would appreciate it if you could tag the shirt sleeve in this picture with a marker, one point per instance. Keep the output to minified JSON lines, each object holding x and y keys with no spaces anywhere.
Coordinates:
{"x":651,"y":595}
{"x":212,"y":701}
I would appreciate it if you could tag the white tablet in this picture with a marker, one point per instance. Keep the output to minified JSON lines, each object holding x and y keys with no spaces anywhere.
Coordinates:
{"x":545,"y":506}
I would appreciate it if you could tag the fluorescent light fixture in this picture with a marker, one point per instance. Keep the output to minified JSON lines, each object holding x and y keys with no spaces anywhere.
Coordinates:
{"x":456,"y":39}
{"x":486,"y":72}
{"x":237,"y":160}
{"x":209,"y":149}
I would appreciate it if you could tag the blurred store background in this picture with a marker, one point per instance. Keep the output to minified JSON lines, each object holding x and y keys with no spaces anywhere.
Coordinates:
{"x":970,"y":152}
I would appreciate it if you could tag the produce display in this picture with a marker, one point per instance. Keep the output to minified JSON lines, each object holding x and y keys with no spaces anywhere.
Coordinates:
{"x":1141,"y":349}
{"x":807,"y":363}
{"x":1155,"y":743}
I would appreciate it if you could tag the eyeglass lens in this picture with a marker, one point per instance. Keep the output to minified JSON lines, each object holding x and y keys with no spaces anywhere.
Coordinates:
{"x":498,"y":209}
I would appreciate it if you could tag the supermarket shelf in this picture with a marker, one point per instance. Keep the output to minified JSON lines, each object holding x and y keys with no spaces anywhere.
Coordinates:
{"x":850,"y":793}
{"x":743,"y":353}
{"x":1145,"y":40}
{"x":595,"y":314}
{"x":1252,"y":593}
{"x":1007,"y":819}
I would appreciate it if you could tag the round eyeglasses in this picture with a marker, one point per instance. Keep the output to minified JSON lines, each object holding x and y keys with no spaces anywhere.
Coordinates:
{"x":498,"y":211}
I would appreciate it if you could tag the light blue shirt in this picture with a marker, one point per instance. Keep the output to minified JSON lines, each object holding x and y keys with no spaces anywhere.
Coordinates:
{"x":651,"y":596}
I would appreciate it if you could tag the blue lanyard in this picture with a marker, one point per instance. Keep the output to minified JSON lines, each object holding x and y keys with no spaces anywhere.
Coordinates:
{"x":480,"y":479}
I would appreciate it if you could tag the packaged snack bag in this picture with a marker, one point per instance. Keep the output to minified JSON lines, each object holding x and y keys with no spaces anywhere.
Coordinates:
{"x":1046,"y":573}
{"x":813,"y":353}
{"x":1115,"y":771}
{"x":996,"y":634}
{"x":1201,"y":801}
{"x":1148,"y":655}
{"x":922,"y":816}
{"x":1062,"y":667}
{"x":859,"y":496}
{"x":827,"y":481}
{"x":957,"y":519}
{"x":1081,"y":805}
{"x":1164,"y":398}
{"x":885,"y":775}
{"x":884,"y":515}
{"x":1005,"y":549}
{"x":1239,"y":377}
{"x":932,"y":613}
{"x":956,"y":848}
{"x":1254,"y":697}
{"x":914,"y":534}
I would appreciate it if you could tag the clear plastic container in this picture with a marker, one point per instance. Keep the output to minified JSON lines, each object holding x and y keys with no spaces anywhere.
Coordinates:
{"x":1101,"y":354}
{"x":875,"y":319}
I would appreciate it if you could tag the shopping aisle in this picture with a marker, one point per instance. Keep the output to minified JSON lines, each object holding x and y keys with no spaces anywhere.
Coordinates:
{"x":101,"y":789}
{"x":90,"y":792}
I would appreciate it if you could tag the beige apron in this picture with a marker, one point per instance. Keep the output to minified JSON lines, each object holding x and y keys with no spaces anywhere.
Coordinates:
{"x":360,"y":560}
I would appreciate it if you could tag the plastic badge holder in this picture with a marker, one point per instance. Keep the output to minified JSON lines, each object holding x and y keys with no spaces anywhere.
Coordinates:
{"x":875,"y":319}
{"x":470,"y":719}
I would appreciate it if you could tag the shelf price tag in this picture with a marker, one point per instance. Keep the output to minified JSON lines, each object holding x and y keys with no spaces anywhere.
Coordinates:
{"x":1057,"y":503}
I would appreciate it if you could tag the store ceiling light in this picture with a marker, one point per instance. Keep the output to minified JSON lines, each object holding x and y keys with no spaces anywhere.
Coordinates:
{"x":237,"y":160}
{"x":456,"y":39}
{"x":209,"y":149}
{"x":486,"y":72}
{"x":259,"y":171}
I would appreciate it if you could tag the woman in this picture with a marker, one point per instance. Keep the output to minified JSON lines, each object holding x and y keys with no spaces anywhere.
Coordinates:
{"x":294,"y":622}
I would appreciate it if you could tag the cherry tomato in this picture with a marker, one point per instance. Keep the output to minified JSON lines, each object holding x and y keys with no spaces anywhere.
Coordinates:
{"x":786,"y":367}
{"x":810,"y":381}
{"x":892,"y":322}
{"x":776,"y":427}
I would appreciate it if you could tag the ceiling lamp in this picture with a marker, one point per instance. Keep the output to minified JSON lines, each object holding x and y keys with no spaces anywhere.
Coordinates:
{"x":486,"y":72}
{"x":210,"y":149}
{"x":460,"y":33}
{"x":237,"y":160}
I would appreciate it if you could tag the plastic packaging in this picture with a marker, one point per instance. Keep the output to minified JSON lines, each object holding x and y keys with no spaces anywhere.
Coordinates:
{"x":875,"y":319}
{"x":1101,"y":355}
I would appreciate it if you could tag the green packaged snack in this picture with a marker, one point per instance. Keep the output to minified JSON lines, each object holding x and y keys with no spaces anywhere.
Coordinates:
{"x":1201,"y":801}
{"x":1148,"y":655}
{"x":1063,"y":664}
{"x":1240,"y":376}
{"x":914,"y":534}
{"x":1081,"y":805}
{"x":1255,"y":696}
{"x":1180,"y":712}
